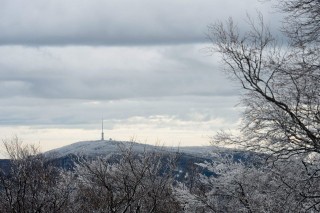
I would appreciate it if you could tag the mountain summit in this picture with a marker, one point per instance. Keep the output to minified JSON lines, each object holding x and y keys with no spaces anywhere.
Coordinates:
{"x":108,"y":147}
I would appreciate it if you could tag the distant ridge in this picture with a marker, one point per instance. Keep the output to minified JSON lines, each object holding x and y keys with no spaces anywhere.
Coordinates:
{"x":108,"y":147}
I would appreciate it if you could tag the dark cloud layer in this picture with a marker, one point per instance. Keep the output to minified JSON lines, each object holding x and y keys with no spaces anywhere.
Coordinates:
{"x":115,"y":22}
{"x":55,"y":85}
{"x":145,"y":72}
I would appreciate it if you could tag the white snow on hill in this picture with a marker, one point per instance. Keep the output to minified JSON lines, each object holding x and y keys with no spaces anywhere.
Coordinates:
{"x":106,"y":147}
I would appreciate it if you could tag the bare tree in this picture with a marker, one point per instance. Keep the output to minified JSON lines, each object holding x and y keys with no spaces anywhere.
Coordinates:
{"x":302,"y":20}
{"x":281,"y":96}
{"x":32,"y":184}
{"x":243,"y":187}
{"x":135,"y":182}
{"x":281,"y":84}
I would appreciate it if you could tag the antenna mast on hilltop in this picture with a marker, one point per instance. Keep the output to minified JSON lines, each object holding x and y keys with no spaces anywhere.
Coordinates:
{"x":102,"y":134}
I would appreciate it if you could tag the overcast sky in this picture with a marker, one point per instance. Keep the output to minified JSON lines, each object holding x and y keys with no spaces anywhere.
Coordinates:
{"x":141,"y":64}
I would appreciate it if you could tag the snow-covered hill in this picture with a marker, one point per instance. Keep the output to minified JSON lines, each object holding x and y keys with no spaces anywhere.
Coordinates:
{"x":107,"y":147}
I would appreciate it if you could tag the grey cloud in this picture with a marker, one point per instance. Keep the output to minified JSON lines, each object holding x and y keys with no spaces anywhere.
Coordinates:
{"x":162,"y":71}
{"x":115,"y":22}
{"x":75,"y":85}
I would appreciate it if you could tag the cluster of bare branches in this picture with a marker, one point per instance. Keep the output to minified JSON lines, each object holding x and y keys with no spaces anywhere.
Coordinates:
{"x":302,"y":20}
{"x":136,"y":182}
{"x":285,"y":186}
{"x":281,"y":82}
{"x":127,"y":182}
{"x":32,"y":183}
{"x":282,"y":106}
{"x":145,"y":182}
